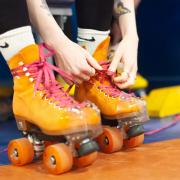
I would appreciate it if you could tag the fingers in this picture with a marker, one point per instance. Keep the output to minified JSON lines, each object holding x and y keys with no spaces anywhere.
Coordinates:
{"x":83,"y":74}
{"x":130,"y":80}
{"x":79,"y":77}
{"x":92,"y":61}
{"x":122,"y":78}
{"x":126,"y":84}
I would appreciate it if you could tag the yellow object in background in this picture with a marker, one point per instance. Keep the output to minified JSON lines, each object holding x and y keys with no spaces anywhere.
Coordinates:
{"x":164,"y":102}
{"x":65,"y":85}
{"x":140,"y":86}
{"x":140,"y":83}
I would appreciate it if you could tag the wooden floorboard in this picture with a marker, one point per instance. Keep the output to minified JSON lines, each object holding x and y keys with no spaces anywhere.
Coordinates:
{"x":155,"y":161}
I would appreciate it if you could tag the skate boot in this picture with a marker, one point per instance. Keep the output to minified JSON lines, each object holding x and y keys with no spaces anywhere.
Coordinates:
{"x":124,"y":112}
{"x":53,"y":123}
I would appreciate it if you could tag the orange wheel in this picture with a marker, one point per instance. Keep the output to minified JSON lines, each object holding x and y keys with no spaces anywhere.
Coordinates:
{"x":20,"y":151}
{"x":85,"y":160}
{"x":134,"y":142}
{"x":58,"y":158}
{"x":110,"y":140}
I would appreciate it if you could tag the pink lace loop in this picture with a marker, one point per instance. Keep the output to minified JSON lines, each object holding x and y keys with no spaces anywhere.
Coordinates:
{"x":110,"y":89}
{"x":42,"y":72}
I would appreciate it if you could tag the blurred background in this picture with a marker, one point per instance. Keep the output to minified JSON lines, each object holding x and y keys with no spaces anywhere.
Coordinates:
{"x":158,"y":23}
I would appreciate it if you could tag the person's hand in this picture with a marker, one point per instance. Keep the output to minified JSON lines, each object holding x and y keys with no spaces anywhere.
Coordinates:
{"x":126,"y":55}
{"x":76,"y":61}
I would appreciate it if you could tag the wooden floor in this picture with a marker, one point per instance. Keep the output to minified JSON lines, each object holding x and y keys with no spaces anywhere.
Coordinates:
{"x":156,"y":161}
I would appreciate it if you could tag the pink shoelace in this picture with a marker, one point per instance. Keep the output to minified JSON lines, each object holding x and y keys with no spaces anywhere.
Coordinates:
{"x":173,"y":123}
{"x":111,"y":89}
{"x":41,"y":72}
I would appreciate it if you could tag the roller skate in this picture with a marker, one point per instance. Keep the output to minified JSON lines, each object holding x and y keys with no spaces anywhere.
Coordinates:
{"x":123,"y":114}
{"x":54,"y":125}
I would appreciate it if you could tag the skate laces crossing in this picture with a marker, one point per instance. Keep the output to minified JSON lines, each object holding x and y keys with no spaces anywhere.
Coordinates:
{"x":41,"y":72}
{"x":110,"y":89}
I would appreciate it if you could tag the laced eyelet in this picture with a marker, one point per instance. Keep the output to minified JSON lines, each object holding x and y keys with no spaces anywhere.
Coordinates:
{"x":25,"y":69}
{"x":41,"y":95}
{"x":50,"y":102}
{"x":27,"y":74}
{"x":31,"y":79}
{"x":106,"y":94}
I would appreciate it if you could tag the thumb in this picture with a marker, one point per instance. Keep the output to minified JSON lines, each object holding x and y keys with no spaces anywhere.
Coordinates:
{"x":93,"y":62}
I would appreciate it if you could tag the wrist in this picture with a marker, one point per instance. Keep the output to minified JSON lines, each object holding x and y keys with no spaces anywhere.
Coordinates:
{"x":131,"y":36}
{"x":57,"y":41}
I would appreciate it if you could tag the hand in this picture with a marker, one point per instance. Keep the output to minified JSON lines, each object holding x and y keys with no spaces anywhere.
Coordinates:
{"x":76,"y":61}
{"x":126,"y":54}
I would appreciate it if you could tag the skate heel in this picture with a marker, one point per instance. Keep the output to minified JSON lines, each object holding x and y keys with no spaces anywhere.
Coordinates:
{"x":22,"y":124}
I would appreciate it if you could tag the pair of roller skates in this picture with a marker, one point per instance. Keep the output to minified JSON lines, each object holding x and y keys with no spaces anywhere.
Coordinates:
{"x":62,"y":131}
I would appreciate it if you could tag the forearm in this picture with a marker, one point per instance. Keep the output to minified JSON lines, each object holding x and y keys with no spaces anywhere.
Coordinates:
{"x":45,"y":24}
{"x":125,"y":12}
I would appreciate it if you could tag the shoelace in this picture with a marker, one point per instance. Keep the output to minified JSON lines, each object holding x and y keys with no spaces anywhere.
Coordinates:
{"x":111,"y":89}
{"x":41,"y":72}
{"x":173,"y":123}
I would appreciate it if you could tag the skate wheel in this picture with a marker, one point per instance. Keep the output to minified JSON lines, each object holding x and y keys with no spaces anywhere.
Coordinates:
{"x":86,"y":160}
{"x":110,"y":140}
{"x":20,"y":151}
{"x":134,"y":141}
{"x":58,"y":158}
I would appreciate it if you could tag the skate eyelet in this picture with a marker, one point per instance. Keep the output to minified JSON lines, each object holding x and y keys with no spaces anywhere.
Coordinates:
{"x":60,"y":108}
{"x":31,"y":79}
{"x":41,"y":95}
{"x":27,"y":74}
{"x":17,"y":77}
{"x":25,"y":69}
{"x":21,"y":63}
{"x":50,"y":102}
